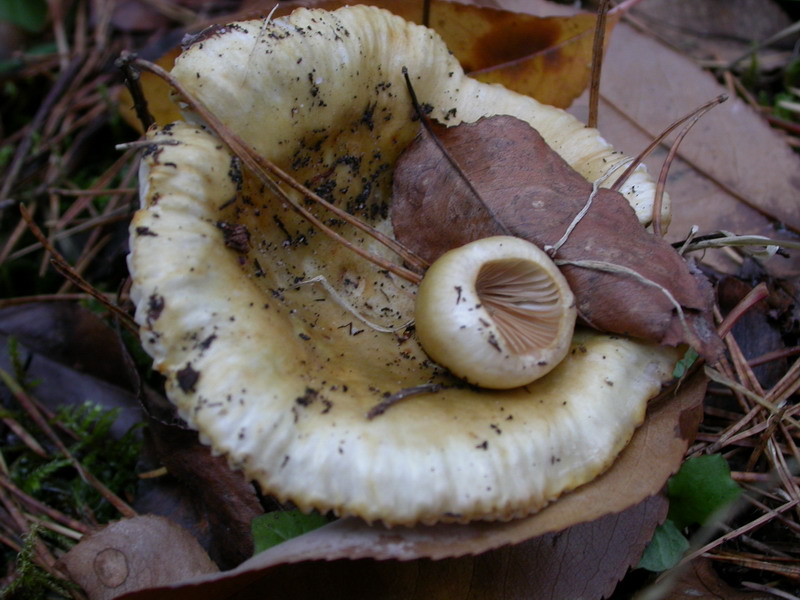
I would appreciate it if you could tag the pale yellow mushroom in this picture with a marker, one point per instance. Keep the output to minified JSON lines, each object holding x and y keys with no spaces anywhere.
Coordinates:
{"x":276,"y":372}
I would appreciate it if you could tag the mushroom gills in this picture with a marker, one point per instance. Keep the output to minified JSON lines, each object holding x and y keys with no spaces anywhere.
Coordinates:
{"x":496,"y":312}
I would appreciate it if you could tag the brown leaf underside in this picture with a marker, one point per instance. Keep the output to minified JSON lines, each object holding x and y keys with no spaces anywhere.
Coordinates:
{"x":534,"y":194}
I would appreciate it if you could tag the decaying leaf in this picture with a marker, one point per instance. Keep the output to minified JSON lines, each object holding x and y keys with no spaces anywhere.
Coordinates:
{"x":73,"y":356}
{"x":526,"y":189}
{"x":135,"y":554}
{"x":224,"y":501}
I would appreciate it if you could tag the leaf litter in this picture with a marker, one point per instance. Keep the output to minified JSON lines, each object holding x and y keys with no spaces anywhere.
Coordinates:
{"x":709,"y":435}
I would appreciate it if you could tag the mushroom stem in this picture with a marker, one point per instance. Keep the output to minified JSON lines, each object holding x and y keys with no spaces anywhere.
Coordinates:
{"x":263,"y":167}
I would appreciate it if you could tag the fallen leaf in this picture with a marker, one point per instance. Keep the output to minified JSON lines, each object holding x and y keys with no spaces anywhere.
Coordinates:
{"x":221,"y":502}
{"x":278,"y":526}
{"x":134,"y":554}
{"x":524,"y":53}
{"x":665,"y":549}
{"x":434,"y":210}
{"x":73,"y":355}
{"x":700,"y":489}
{"x":616,"y":514}
{"x":715,"y":29}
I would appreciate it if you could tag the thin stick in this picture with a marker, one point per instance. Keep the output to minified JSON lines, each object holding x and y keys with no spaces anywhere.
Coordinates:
{"x":34,"y":504}
{"x":15,"y":236}
{"x":553,"y":250}
{"x":753,"y":297}
{"x":722,"y":379}
{"x":598,"y":50}
{"x":26,"y":437}
{"x":106,"y":192}
{"x":261,"y":166}
{"x":389,"y":401}
{"x":774,"y":355}
{"x":63,"y":267}
{"x":114,"y":216}
{"x":768,"y":589}
{"x":131,"y":78}
{"x":65,"y":531}
{"x":608,"y":267}
{"x":737,"y":532}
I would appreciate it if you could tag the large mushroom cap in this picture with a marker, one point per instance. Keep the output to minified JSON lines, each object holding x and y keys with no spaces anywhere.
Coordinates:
{"x":273,"y":338}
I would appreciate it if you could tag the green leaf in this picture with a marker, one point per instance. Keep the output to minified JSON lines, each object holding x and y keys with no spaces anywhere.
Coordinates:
{"x":273,"y":528}
{"x":665,"y":549}
{"x":702,"y":487}
{"x":31,"y":15}
{"x":683,"y":364}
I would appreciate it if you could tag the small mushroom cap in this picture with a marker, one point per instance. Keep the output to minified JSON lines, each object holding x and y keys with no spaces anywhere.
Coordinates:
{"x":258,"y":321}
{"x":497,"y":312}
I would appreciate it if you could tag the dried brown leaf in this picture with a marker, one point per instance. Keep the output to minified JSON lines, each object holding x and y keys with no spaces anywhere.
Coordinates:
{"x":716,"y":29}
{"x":213,"y":501}
{"x":73,"y":355}
{"x":134,"y":554}
{"x":550,"y":567}
{"x":537,"y":198}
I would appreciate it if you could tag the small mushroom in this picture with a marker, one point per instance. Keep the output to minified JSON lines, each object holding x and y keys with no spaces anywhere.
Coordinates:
{"x":497,"y":312}
{"x":271,"y":347}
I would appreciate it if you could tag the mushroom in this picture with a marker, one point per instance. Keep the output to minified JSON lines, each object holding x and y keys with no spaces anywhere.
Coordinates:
{"x":497,"y":312}
{"x":275,"y":340}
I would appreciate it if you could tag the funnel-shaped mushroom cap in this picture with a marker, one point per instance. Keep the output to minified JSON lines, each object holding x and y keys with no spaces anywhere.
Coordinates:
{"x":276,"y":341}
